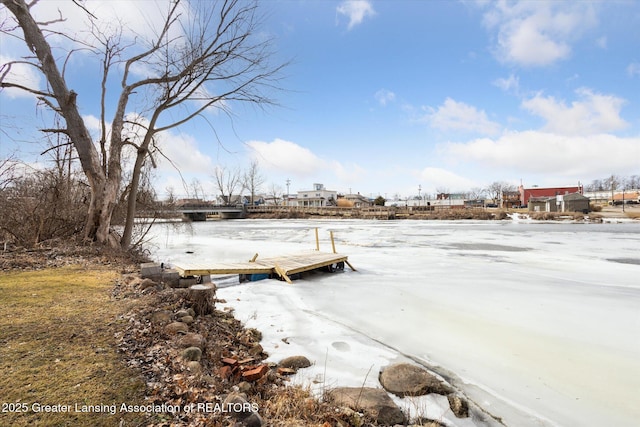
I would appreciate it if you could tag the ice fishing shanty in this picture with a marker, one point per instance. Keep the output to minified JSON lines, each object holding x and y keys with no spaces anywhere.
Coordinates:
{"x":284,"y":267}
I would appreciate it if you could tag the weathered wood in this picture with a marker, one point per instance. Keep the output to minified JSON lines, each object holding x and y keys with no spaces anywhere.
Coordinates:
{"x":333,"y":243}
{"x":282,"y":274}
{"x":289,"y":265}
{"x":350,"y":266}
{"x":202,"y":298}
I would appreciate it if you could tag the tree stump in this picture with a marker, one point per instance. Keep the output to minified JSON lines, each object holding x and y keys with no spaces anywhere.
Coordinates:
{"x":202,"y":298}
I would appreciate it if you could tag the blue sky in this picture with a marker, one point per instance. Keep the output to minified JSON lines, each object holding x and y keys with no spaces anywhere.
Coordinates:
{"x":385,"y":97}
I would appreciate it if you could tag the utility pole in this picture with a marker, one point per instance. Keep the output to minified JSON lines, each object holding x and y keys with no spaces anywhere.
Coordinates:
{"x":419,"y":196}
{"x":288,"y":183}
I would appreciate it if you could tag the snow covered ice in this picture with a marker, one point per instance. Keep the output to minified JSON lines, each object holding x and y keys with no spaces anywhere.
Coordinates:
{"x":537,"y":323}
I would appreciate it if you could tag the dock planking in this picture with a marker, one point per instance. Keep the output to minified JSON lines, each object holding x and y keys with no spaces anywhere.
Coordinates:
{"x":283,"y":266}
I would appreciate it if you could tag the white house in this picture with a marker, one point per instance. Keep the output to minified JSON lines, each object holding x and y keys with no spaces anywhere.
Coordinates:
{"x":317,"y":197}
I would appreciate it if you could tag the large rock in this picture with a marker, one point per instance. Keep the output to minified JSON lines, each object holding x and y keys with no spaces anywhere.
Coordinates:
{"x":375,"y":402}
{"x":404,"y":379}
{"x":239,"y":408}
{"x":147,"y":283}
{"x":192,"y":354}
{"x":174,"y":328}
{"x":191,"y":339}
{"x":295,"y":362}
{"x":161,"y":317}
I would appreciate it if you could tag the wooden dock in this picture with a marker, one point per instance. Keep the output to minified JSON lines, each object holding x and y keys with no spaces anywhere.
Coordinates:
{"x":282,"y":266}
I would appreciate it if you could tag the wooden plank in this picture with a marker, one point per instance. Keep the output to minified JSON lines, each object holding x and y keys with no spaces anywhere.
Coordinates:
{"x":293,"y":267}
{"x":350,"y":266}
{"x":282,"y":274}
{"x":226,"y":268}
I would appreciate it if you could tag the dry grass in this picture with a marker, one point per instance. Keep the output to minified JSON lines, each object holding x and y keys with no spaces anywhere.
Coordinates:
{"x":57,"y":347}
{"x":632,"y":215}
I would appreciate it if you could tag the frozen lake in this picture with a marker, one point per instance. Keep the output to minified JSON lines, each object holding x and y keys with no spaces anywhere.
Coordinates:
{"x":538,"y":323}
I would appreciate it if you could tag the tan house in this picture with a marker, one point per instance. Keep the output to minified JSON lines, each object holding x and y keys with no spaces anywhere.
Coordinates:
{"x":357,"y":200}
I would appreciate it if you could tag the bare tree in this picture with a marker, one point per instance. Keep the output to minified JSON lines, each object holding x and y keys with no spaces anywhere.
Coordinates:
{"x":228,"y":182}
{"x":197,"y":192}
{"x":633,"y":181}
{"x":253,"y":180}
{"x":612,"y":183}
{"x":209,"y":57}
{"x":275,"y":193}
{"x":442,"y":190}
{"x":7,"y":171}
{"x":596,"y":185}
{"x":476,"y":193}
{"x":496,"y":188}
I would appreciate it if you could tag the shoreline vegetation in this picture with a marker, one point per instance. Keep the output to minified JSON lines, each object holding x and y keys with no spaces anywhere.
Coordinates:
{"x":87,"y":341}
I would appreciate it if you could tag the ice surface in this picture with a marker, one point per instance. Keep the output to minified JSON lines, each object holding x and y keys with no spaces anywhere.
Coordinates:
{"x":538,"y":323}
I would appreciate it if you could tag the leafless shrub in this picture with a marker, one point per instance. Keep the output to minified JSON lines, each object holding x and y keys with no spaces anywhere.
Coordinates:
{"x":41,"y":206}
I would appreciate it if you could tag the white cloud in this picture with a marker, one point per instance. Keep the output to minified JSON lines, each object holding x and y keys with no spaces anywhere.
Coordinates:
{"x":634,"y":69}
{"x":433,"y":179}
{"x":21,"y":74}
{"x":601,"y":42}
{"x":137,"y":18}
{"x":458,"y":116}
{"x":548,"y":153}
{"x":356,"y":11}
{"x":384,"y":96}
{"x":346,"y":174}
{"x":183,"y":151}
{"x":593,"y":113}
{"x":288,"y":159}
{"x":286,"y":156}
{"x":537,"y":33}
{"x":511,"y":83}
{"x":138,"y":21}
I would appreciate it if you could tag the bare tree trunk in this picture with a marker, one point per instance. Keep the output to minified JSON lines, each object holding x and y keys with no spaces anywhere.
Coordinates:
{"x":125,"y":243}
{"x":102,"y":194}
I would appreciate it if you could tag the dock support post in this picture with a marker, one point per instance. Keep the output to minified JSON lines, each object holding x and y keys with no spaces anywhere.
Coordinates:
{"x":317,"y":240}
{"x":350,"y":266}
{"x":282,"y":274}
{"x":333,"y":244}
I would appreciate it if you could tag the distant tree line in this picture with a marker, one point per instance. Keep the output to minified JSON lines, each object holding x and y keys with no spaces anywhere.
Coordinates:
{"x":614,"y":183}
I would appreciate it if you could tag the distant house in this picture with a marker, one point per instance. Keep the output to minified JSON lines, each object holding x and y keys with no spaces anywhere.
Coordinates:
{"x":511,"y":199}
{"x":318,"y":197}
{"x":474,"y":203}
{"x":290,"y":200}
{"x":233,"y":200}
{"x":574,"y":202}
{"x":357,"y":200}
{"x":626,"y":197}
{"x":541,"y":192}
{"x":449,"y":201}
